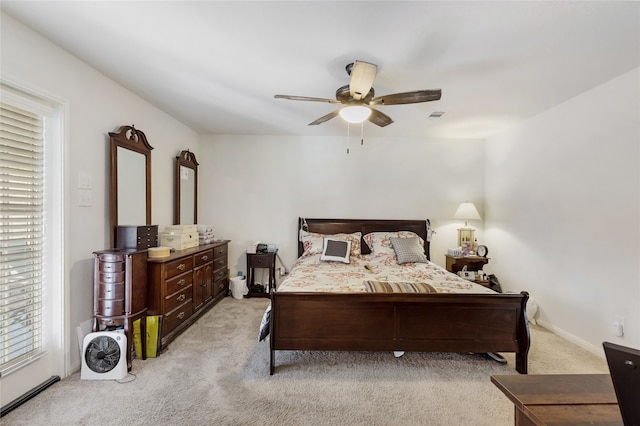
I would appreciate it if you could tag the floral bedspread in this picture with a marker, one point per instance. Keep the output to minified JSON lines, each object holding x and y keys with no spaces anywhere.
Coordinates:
{"x":309,"y":274}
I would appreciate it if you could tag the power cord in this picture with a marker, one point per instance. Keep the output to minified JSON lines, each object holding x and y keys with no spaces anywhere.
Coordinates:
{"x":128,"y":379}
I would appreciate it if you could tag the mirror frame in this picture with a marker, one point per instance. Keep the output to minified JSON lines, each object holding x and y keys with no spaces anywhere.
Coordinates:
{"x":186,"y":159}
{"x":128,"y":137}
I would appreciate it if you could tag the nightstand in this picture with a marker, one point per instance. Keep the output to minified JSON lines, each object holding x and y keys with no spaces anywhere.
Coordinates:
{"x":261,"y":260}
{"x":473,"y":263}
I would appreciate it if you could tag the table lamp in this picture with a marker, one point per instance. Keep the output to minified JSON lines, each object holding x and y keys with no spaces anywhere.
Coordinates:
{"x":466,"y":211}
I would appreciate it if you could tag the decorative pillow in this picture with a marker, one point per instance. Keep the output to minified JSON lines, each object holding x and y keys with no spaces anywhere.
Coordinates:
{"x":265,"y":324}
{"x":336,"y":250}
{"x":380,"y":243}
{"x":313,"y":242}
{"x":408,"y":250}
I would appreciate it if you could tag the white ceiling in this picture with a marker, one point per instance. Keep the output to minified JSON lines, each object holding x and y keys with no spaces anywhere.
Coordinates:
{"x":216,"y":65}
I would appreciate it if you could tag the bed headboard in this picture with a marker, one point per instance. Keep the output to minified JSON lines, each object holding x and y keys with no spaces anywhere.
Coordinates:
{"x":365,"y":226}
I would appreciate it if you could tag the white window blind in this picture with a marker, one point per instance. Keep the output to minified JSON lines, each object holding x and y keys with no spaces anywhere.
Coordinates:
{"x":22,"y":233}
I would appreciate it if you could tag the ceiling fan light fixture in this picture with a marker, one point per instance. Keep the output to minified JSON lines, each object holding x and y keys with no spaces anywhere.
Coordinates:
{"x":355,"y":113}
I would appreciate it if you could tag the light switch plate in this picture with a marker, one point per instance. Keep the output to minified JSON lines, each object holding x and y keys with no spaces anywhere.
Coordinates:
{"x":84,"y":180}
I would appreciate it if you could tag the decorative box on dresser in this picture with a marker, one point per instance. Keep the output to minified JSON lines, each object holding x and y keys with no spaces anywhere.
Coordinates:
{"x":137,"y":237}
{"x":120,"y":293}
{"x":186,"y":284}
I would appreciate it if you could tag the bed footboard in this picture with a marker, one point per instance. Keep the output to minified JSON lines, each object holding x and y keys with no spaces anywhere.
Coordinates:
{"x":400,"y":322}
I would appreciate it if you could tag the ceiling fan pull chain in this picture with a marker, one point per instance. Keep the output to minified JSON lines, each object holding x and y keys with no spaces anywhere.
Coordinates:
{"x":362,"y":133}
{"x":347,"y":138}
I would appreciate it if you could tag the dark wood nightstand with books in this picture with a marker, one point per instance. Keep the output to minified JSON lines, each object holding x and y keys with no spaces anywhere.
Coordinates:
{"x":473,"y":263}
{"x":257,"y":261}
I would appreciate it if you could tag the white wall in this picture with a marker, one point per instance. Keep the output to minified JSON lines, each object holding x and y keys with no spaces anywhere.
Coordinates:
{"x":255,"y":187}
{"x":563,"y":212}
{"x":96,"y":106}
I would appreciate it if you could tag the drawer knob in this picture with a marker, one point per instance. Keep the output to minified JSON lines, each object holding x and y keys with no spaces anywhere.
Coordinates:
{"x":181,"y":267}
{"x":181,"y":297}
{"x":205,"y":257}
{"x":181,"y":315}
{"x":181,"y":282}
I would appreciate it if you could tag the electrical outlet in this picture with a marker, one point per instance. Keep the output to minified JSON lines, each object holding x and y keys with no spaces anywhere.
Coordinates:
{"x":618,"y":326}
{"x":282,"y":271}
{"x":84,"y":197}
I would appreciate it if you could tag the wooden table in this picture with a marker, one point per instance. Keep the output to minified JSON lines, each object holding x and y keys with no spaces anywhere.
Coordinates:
{"x":455,"y":264}
{"x":561,"y":399}
{"x":261,"y":260}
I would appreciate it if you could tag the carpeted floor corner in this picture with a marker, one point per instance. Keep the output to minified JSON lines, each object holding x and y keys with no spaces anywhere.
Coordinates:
{"x":217,"y":372}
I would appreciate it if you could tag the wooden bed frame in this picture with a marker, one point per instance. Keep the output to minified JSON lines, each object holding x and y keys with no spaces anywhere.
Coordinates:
{"x":433,"y":322}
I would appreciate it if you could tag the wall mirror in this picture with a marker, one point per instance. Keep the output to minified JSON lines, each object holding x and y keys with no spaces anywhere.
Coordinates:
{"x":130,"y":192}
{"x":186,"y":197}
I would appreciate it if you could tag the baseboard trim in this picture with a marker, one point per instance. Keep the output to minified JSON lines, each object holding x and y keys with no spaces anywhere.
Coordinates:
{"x":596,"y":350}
{"x":27,"y":396}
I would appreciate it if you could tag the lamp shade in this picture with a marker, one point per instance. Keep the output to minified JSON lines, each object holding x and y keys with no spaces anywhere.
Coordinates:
{"x":355,"y":113}
{"x":467,"y":211}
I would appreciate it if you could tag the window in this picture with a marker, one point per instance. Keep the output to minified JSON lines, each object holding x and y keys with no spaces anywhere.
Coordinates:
{"x":21,"y":241}
{"x":31,"y":246}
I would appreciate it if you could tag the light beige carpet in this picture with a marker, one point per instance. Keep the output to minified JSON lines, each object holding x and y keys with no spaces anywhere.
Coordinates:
{"x":218,"y":373}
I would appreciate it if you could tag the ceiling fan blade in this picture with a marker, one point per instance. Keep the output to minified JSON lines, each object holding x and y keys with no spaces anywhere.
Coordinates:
{"x":325,"y":118}
{"x":306,"y":98}
{"x":379,"y":119}
{"x":362,"y":76}
{"x":407,"y":97}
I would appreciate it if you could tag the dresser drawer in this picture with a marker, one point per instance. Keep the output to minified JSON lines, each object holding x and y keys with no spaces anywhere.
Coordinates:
{"x":110,"y":266}
{"x":220,"y":251}
{"x":259,"y":260}
{"x":110,"y":257}
{"x":219,"y":274}
{"x":220,"y":286}
{"x":111,"y":277}
{"x":176,"y":299}
{"x":176,"y":317}
{"x":202,"y":258}
{"x":220,"y":263}
{"x":110,"y":307}
{"x":111,"y":291}
{"x":179,"y":266}
{"x":178,"y":283}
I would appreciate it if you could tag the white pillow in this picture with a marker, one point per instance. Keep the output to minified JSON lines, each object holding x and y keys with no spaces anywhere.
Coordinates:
{"x":380,"y":242}
{"x":336,"y":250}
{"x":313,"y":242}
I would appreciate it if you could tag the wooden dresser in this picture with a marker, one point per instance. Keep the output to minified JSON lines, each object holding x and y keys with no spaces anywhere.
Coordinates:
{"x":184,"y":285}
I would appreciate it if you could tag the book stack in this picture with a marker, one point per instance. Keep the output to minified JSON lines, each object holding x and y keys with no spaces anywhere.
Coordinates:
{"x":205,"y":234}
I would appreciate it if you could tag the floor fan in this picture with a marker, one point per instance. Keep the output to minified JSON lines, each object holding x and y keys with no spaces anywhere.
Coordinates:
{"x":104,"y":356}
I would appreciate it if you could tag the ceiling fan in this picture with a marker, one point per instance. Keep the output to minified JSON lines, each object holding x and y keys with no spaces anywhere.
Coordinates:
{"x":358,"y":97}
